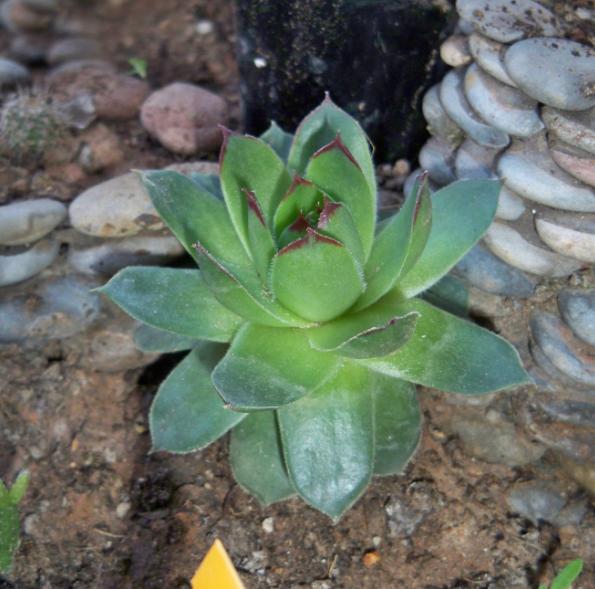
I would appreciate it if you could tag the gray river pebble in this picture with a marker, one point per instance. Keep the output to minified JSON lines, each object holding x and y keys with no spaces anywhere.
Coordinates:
{"x":568,"y":241}
{"x":437,"y":157}
{"x":489,"y":55}
{"x":27,"y":221}
{"x":574,"y":128}
{"x":454,"y":51}
{"x":12,"y":74}
{"x":21,"y":266}
{"x":474,"y":161}
{"x":576,"y":162}
{"x":439,"y":123}
{"x":510,"y":205}
{"x":578,"y":310}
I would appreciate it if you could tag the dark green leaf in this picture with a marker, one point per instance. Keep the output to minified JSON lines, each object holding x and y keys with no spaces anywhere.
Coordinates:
{"x":279,"y":140}
{"x":176,"y":300}
{"x":328,"y":440}
{"x":397,"y":424}
{"x":208,"y":182}
{"x":316,"y":277}
{"x":187,"y":413}
{"x":451,"y":354}
{"x":266,"y":367}
{"x":257,"y":459}
{"x":150,"y":339}
{"x":449,"y":294}
{"x":462,"y":213}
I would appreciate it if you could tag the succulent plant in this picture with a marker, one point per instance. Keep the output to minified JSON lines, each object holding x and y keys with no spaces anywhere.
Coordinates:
{"x":320,"y":305}
{"x":9,"y":518}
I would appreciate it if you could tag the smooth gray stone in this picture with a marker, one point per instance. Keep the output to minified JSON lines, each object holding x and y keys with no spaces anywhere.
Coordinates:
{"x":529,"y":170}
{"x":578,"y":163}
{"x":107,"y":258}
{"x":454,"y":101}
{"x":439,"y":123}
{"x":567,"y":241}
{"x":575,"y":128}
{"x":22,"y":266}
{"x":578,"y":311}
{"x":501,"y":106}
{"x":64,"y":306}
{"x":12,"y":74}
{"x":437,"y":157}
{"x":575,"y":412}
{"x":509,"y":245}
{"x":73,"y":49}
{"x":454,"y":51}
{"x":475,"y":162}
{"x":558,"y":344}
{"x":506,"y":21}
{"x":510,"y":205}
{"x":557,"y":72}
{"x":485,"y":271}
{"x":27,"y":221}
{"x":536,"y":502}
{"x":77,"y":113}
{"x":489,"y":55}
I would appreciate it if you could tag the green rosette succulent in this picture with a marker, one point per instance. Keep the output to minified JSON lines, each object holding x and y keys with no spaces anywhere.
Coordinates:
{"x":319,"y":304}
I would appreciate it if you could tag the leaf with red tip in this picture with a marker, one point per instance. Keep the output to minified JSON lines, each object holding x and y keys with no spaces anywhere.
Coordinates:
{"x":279,"y":140}
{"x":262,"y":245}
{"x":319,"y":128}
{"x":336,"y":221}
{"x":301,"y":198}
{"x":316,"y":277}
{"x":247,"y":163}
{"x":335,"y":171}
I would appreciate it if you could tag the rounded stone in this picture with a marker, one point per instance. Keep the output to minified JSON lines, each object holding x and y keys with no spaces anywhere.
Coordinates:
{"x":576,"y":162}
{"x":575,"y":128}
{"x":73,"y":49}
{"x":30,"y":220}
{"x":12,"y":74}
{"x":24,"y":265}
{"x":454,"y":51}
{"x":501,"y":106}
{"x":437,"y":157}
{"x":119,"y":207}
{"x":557,"y":72}
{"x":439,"y":123}
{"x":489,"y":55}
{"x":184,"y":118}
{"x":100,"y":149}
{"x":578,"y":311}
{"x":474,"y":161}
{"x":510,"y":205}
{"x":536,"y":502}
{"x":569,"y":241}
{"x":456,"y":105}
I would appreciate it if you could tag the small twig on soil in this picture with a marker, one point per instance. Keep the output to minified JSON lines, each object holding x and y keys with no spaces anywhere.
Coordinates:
{"x":109,"y":534}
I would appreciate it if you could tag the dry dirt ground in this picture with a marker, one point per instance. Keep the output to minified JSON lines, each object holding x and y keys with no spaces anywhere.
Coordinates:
{"x":103,"y":514}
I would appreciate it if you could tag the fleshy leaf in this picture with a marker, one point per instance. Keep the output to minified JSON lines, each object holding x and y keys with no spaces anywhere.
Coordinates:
{"x":193,"y":214}
{"x":302,"y":197}
{"x":397,"y":245}
{"x":187,"y":413}
{"x":449,"y":294}
{"x":451,"y":354}
{"x":335,"y":171}
{"x":9,"y":519}
{"x":240,"y":290}
{"x":249,"y":164}
{"x":262,"y":245}
{"x":328,"y":440}
{"x":208,"y":182}
{"x":316,"y":277}
{"x":461,"y":212}
{"x":397,"y":424}
{"x":279,"y":140}
{"x":174,"y":299}
{"x":257,"y":459}
{"x":319,"y":128}
{"x":266,"y":367}
{"x":150,"y":339}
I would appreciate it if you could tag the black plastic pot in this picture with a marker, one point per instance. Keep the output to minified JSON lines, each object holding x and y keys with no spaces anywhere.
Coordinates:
{"x":375,"y":57}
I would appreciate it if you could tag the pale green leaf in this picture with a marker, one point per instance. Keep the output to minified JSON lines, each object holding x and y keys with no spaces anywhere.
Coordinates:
{"x":279,"y":140}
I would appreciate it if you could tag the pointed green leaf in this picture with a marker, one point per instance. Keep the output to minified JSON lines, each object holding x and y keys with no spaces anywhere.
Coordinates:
{"x":241,"y":290}
{"x":10,"y":520}
{"x":301,"y":198}
{"x":328,"y":440}
{"x":451,"y":354}
{"x":316,"y":277}
{"x":262,"y":245}
{"x":257,"y":459}
{"x":323,"y":125}
{"x":449,"y":294}
{"x":208,"y":182}
{"x":397,"y":424}
{"x":279,"y":140}
{"x":150,"y":339}
{"x":397,"y":245}
{"x":174,"y":299}
{"x":462,"y":213}
{"x":335,"y":171}
{"x":266,"y":367}
{"x":193,"y":214}
{"x":375,"y":331}
{"x":19,"y":487}
{"x":247,"y":163}
{"x":187,"y":413}
{"x":568,"y":575}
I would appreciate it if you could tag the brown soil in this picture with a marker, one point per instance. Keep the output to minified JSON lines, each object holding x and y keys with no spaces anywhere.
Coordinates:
{"x":103,"y":514}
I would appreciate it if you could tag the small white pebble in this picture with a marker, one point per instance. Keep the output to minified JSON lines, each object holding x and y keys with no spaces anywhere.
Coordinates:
{"x":376,"y":541}
{"x":205,"y":27}
{"x":122,"y":509}
{"x":268,"y":525}
{"x":260,"y":62}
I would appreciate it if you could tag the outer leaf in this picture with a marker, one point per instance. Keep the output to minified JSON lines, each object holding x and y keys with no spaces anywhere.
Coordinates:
{"x":279,"y":140}
{"x":319,"y":128}
{"x":462,"y":213}
{"x":207,"y":182}
{"x":173,"y":299}
{"x":328,"y":441}
{"x":301,"y":198}
{"x":247,"y":163}
{"x":451,"y":354}
{"x":397,"y":245}
{"x":9,"y":519}
{"x":568,"y":575}
{"x":262,"y":245}
{"x":187,"y":414}
{"x":151,"y":339}
{"x":266,"y":367}
{"x":240,"y":290}
{"x":193,"y":214}
{"x":316,"y":277}
{"x":335,"y":170}
{"x":397,"y":424}
{"x":449,"y":294}
{"x":257,"y":459}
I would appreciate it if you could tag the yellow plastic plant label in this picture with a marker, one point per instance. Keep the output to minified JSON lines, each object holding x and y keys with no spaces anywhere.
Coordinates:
{"x":216,"y":571}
